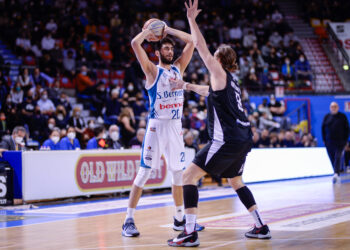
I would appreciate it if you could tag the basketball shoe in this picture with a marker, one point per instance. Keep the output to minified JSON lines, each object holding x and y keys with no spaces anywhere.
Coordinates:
{"x":180,"y":225}
{"x":185,"y":240}
{"x":259,"y":233}
{"x":129,"y":228}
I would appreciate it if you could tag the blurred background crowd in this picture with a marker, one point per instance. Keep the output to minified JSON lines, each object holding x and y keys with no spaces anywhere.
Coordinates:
{"x":70,"y":79}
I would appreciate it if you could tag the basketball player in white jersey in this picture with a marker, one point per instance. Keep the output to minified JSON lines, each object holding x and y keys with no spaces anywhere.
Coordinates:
{"x":164,"y":128}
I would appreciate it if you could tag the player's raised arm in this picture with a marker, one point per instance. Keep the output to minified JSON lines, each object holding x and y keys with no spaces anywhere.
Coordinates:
{"x":136,"y":44}
{"x":187,"y":52}
{"x":210,"y":62}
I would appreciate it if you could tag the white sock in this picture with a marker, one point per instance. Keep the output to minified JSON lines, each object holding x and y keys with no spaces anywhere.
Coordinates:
{"x":258,"y":221}
{"x":179,"y":213}
{"x":190,"y":223}
{"x":130,"y":213}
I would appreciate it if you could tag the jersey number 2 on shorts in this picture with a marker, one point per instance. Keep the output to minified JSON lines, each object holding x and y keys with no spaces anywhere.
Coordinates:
{"x":175,"y":113}
{"x":182,"y":154}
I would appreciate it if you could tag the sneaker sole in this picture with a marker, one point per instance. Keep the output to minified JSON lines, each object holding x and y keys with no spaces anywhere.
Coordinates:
{"x":130,"y":235}
{"x":258,"y":236}
{"x":187,"y":244}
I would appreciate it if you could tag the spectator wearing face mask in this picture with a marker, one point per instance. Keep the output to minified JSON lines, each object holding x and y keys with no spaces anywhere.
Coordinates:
{"x":37,"y":125}
{"x":136,"y":142}
{"x":113,"y":141}
{"x":45,"y":104}
{"x":83,"y":82}
{"x":77,"y":122}
{"x":53,"y":142}
{"x":131,"y":90}
{"x":60,"y":117}
{"x":99,"y":140}
{"x":302,"y":70}
{"x":64,"y":101}
{"x":113,"y":107}
{"x":15,"y":142}
{"x":70,"y":142}
{"x":287,"y":70}
{"x":17,"y":94}
{"x":51,"y":124}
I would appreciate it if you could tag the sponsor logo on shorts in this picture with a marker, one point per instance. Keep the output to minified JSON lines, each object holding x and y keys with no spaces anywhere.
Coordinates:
{"x":112,"y":171}
{"x":148,"y":158}
{"x":152,"y":129}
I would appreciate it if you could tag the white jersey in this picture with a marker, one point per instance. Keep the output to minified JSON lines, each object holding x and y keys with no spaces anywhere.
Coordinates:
{"x":165,"y":104}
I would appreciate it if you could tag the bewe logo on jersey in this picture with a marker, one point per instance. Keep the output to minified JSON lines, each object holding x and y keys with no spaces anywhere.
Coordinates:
{"x":113,"y":171}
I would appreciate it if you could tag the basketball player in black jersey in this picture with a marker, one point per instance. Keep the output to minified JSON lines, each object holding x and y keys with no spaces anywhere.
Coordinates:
{"x":229,"y":131}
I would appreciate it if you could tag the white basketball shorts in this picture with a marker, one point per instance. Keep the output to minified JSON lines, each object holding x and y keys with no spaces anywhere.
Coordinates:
{"x":163,"y":137}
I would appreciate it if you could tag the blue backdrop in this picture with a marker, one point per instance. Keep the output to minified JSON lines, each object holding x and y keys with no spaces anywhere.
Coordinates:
{"x":319,"y":107}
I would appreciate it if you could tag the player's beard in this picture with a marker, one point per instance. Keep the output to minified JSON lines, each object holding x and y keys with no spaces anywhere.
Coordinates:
{"x":164,"y":60}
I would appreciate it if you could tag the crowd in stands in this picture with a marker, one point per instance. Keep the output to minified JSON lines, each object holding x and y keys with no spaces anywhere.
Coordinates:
{"x":337,"y":10}
{"x":83,"y":44}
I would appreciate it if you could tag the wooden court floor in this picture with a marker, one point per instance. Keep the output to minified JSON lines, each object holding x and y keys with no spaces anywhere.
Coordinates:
{"x":302,"y":214}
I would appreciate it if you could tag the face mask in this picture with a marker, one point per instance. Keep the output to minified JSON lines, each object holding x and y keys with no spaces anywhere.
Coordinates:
{"x":62,"y":100}
{"x":287,"y":61}
{"x":51,"y":126}
{"x":301,"y":59}
{"x":71,"y":135}
{"x":104,"y":136}
{"x":19,"y":140}
{"x":84,"y":73}
{"x":115,"y":136}
{"x":44,"y":97}
{"x":18,"y":88}
{"x":77,"y":113}
{"x":102,"y":89}
{"x":60,"y":117}
{"x":130,"y":88}
{"x":55,"y":139}
{"x":91,"y":126}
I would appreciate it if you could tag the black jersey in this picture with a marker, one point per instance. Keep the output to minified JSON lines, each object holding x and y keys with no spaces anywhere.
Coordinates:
{"x":227,"y":121}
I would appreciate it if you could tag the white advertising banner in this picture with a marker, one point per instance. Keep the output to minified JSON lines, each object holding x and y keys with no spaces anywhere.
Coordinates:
{"x":59,"y":174}
{"x":342,"y":31}
{"x":286,"y":163}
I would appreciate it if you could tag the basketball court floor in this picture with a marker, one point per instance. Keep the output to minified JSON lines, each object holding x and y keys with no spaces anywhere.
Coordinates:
{"x":302,"y":214}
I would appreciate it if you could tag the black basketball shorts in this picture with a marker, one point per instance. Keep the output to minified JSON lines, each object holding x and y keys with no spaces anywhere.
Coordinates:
{"x":223,"y":159}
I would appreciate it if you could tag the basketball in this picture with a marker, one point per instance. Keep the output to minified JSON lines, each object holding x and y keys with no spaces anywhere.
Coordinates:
{"x":157,"y":27}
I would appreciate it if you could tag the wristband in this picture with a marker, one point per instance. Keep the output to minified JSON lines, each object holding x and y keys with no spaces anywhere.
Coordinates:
{"x":185,"y":85}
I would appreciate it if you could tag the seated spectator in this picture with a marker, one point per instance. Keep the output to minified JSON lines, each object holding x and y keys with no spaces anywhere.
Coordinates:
{"x":25,"y":80}
{"x":139,"y":106}
{"x":38,"y":124}
{"x":64,"y":101}
{"x":17,"y":94}
{"x":235,"y":33}
{"x":69,"y":63}
{"x":277,"y":109}
{"x":23,"y":44}
{"x":89,"y":130}
{"x":51,"y":124}
{"x":190,"y":142}
{"x":53,"y":142}
{"x":70,"y":142}
{"x":249,"y":39}
{"x":136,"y":142}
{"x":51,"y":26}
{"x":54,"y":91}
{"x":274,"y":140}
{"x":303,"y":71}
{"x":84,"y":83}
{"x":28,"y":107}
{"x":45,"y":104}
{"x":264,"y":141}
{"x":127,"y":126}
{"x":266,"y":123}
{"x":77,"y":122}
{"x":61,"y":117}
{"x":287,"y":71}
{"x":99,"y":140}
{"x":113,"y":107}
{"x":15,"y":141}
{"x":38,"y":79}
{"x":275,"y":39}
{"x":113,"y":138}
{"x":98,"y":98}
{"x":288,"y":141}
{"x":256,"y":139}
{"x":47,"y":42}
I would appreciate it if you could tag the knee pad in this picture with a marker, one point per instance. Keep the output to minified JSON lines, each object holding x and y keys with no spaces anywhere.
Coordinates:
{"x":142,"y":176}
{"x":177,"y":178}
{"x":246,"y":197}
